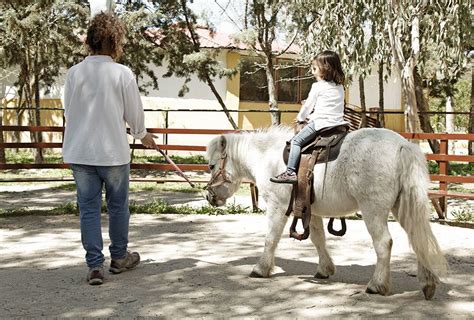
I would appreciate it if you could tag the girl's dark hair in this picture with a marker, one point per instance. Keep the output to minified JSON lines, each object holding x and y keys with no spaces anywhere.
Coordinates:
{"x":330,"y":67}
{"x":105,"y":31}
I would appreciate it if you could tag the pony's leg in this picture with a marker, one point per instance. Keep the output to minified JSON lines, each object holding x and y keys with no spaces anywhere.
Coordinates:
{"x":376,"y":222}
{"x":326,"y":267}
{"x":276,"y":223}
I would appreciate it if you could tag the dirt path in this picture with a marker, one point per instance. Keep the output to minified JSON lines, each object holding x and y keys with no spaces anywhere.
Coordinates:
{"x":198,"y":266}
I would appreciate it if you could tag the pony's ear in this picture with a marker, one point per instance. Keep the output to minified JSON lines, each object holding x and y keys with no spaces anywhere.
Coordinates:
{"x":223,"y":142}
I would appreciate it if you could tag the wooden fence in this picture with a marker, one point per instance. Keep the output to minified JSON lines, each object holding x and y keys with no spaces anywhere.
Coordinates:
{"x":443,"y":158}
{"x":438,"y":197}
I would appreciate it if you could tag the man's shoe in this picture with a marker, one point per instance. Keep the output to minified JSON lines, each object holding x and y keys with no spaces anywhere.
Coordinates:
{"x":96,"y":275}
{"x":130,"y":261}
{"x":286,"y":177}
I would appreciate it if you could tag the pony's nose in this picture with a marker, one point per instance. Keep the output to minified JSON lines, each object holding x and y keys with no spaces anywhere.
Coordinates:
{"x":210,"y":199}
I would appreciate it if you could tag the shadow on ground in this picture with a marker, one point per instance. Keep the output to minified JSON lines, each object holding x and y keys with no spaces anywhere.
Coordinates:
{"x":198,"y":266}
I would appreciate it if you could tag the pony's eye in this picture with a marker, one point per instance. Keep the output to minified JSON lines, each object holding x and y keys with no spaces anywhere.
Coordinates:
{"x":212,"y":166}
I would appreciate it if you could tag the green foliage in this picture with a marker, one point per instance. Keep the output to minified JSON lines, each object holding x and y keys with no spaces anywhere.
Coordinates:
{"x":141,"y":54}
{"x":455,"y":168}
{"x":39,"y":38}
{"x":463,"y":215}
{"x":461,"y":103}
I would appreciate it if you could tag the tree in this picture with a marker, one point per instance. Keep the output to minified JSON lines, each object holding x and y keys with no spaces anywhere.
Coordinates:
{"x":165,"y":30}
{"x":264,"y":22}
{"x":39,"y":38}
{"x":346,"y":28}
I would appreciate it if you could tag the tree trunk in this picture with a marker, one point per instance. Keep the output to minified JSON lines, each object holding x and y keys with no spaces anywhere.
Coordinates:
{"x":221,"y":102}
{"x":363,"y":106}
{"x":404,"y":65}
{"x":409,"y":99}
{"x":450,"y":120}
{"x":2,"y":150}
{"x":39,"y":135}
{"x":380,"y":114}
{"x":424,"y":117}
{"x":272,"y":99}
{"x":470,"y":128}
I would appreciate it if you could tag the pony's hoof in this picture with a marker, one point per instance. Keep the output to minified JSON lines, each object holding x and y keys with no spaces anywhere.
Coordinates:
{"x":253,"y":274}
{"x":320,"y":276}
{"x":370,"y":291}
{"x":382,"y":291}
{"x":429,"y":291}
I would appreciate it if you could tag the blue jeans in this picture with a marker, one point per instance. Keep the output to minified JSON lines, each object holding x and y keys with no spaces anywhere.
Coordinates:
{"x":307,"y":134}
{"x":89,"y":181}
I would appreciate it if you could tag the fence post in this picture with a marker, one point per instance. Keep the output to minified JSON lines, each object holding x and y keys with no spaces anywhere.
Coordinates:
{"x":165,"y":136}
{"x":443,"y":170}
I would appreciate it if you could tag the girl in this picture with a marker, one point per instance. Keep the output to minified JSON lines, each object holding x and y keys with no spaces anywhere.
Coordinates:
{"x":324,"y":108}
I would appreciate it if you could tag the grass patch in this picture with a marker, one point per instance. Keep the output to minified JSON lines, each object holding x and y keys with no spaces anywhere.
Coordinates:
{"x":25,"y":156}
{"x":463,"y":215}
{"x":152,"y":207}
{"x":68,"y":208}
{"x":195,"y":159}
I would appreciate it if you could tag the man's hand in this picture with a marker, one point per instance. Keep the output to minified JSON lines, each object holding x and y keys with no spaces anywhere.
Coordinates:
{"x":148,"y":141}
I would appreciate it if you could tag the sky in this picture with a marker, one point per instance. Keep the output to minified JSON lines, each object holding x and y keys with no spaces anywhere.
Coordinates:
{"x":222,"y":14}
{"x":221,"y":20}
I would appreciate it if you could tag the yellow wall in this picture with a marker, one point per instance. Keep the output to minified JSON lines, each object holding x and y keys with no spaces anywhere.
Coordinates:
{"x":48,"y":118}
{"x":254,"y":120}
{"x":395,"y":122}
{"x":233,"y":83}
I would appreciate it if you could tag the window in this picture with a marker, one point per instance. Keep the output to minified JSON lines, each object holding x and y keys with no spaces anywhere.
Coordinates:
{"x":306,"y":81}
{"x":287,"y":82}
{"x":292,"y":83}
{"x":253,"y":81}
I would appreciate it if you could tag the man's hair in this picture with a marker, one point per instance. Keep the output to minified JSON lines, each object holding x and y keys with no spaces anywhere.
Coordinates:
{"x":330,"y":67}
{"x":105,"y":30}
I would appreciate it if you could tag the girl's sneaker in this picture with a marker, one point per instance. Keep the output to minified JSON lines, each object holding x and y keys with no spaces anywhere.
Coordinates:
{"x":288,"y":176}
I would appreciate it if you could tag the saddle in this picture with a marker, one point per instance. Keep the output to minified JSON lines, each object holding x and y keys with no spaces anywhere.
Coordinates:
{"x":323,"y":149}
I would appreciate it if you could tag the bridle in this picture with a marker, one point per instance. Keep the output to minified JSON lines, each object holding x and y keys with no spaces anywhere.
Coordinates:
{"x":219,"y":178}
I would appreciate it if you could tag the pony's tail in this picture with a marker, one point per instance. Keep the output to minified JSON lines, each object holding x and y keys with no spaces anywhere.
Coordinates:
{"x":413,"y":210}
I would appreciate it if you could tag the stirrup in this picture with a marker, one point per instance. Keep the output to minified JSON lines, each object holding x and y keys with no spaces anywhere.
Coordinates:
{"x":294,"y":234}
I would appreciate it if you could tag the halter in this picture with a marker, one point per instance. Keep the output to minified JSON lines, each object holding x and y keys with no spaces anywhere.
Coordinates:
{"x":219,"y":178}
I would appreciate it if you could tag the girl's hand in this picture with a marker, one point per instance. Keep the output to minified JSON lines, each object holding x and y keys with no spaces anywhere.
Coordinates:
{"x":148,"y":141}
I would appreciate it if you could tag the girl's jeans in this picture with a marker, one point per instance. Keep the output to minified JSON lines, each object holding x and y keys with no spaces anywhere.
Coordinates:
{"x":89,"y":181}
{"x":307,"y":134}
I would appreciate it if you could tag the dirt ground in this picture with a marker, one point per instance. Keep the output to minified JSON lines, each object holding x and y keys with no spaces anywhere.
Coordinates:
{"x":197,"y":267}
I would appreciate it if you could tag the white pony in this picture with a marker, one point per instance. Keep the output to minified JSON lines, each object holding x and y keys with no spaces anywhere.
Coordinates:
{"x":377,"y":171}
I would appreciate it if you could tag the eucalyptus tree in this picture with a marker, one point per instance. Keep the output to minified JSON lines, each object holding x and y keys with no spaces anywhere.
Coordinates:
{"x":38,"y":39}
{"x":347,"y":27}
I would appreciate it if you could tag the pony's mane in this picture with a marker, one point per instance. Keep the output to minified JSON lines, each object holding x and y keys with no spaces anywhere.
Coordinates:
{"x":262,"y":139}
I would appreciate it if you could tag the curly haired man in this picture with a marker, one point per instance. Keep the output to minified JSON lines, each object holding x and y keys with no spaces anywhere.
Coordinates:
{"x":100,"y":98}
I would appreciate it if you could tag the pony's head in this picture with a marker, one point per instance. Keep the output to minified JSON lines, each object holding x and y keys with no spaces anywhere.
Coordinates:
{"x":223,"y":182}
